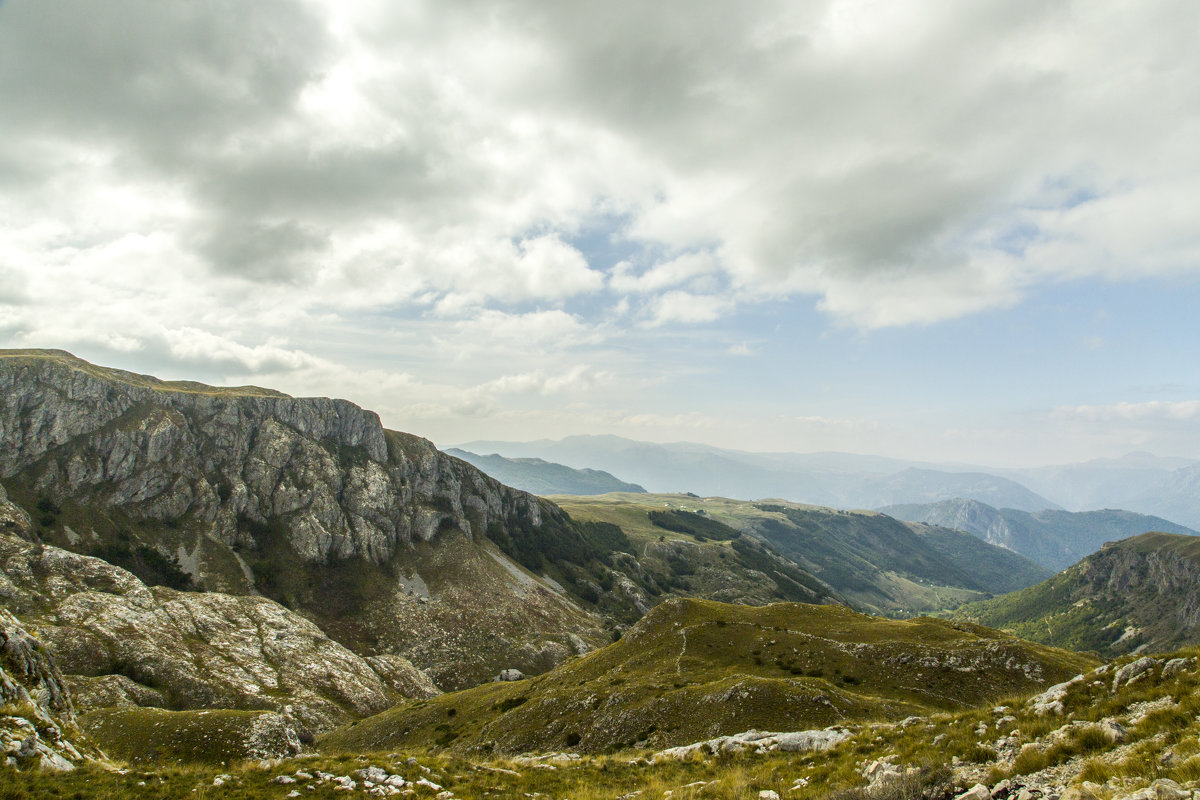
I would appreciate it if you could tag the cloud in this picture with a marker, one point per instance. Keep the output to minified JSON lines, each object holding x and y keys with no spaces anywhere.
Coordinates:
{"x":677,"y":271}
{"x":194,"y":347}
{"x":902,"y":168}
{"x":685,"y":307}
{"x":1151,"y":411}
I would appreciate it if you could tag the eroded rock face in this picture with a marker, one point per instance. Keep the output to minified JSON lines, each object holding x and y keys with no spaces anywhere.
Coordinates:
{"x":36,"y":702}
{"x":192,"y":650}
{"x":382,"y":540}
{"x":219,"y":459}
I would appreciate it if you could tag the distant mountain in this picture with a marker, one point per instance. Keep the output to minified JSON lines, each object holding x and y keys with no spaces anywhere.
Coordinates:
{"x":883,"y":565}
{"x":1052,"y":538}
{"x":910,"y":484}
{"x":1176,"y":495}
{"x":827,"y":479}
{"x":1166,"y":487}
{"x":544,"y":477}
{"x":1140,"y":594}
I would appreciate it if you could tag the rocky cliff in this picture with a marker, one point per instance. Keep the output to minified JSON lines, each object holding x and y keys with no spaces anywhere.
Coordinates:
{"x":36,"y":713}
{"x":392,"y":547}
{"x":222,"y":460}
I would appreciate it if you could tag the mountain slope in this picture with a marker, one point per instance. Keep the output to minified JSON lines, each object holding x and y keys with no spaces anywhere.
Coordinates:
{"x":1055,"y":539}
{"x":876,"y":563}
{"x":388,"y":544}
{"x":1139,"y":594}
{"x":543,"y":477}
{"x":692,"y":670}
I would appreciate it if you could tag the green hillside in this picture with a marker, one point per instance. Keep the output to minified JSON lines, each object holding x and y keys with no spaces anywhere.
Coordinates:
{"x":876,"y":563}
{"x":1139,"y":594}
{"x":692,"y":670}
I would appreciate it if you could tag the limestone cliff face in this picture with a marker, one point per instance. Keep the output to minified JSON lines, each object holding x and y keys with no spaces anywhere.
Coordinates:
{"x":1157,"y":587}
{"x":375,"y":536}
{"x":38,"y":713}
{"x":219,"y":459}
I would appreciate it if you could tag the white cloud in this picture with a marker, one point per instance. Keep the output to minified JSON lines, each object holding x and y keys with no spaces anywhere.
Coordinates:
{"x":1151,"y":411}
{"x":664,"y":275}
{"x":191,"y":346}
{"x":688,"y":308}
{"x":875,"y":156}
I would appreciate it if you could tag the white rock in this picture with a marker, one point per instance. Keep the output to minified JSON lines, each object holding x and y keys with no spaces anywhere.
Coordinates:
{"x":976,"y":792}
{"x":1132,"y":671}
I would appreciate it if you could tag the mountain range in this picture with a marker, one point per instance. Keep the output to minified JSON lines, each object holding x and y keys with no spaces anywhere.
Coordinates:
{"x":1140,"y":482}
{"x":826,"y":479}
{"x":1054,"y":539}
{"x":541,"y":477}
{"x":277,"y":591}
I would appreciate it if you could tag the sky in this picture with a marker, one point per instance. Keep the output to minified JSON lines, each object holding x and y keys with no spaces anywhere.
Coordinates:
{"x":940,"y":231}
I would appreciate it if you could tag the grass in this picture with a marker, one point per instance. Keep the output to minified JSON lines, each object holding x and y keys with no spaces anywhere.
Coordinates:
{"x":832,"y":775}
{"x":152,"y":735}
{"x":696,"y":669}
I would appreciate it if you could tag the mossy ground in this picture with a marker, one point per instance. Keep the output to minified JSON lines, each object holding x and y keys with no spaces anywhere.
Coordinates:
{"x":154,"y":736}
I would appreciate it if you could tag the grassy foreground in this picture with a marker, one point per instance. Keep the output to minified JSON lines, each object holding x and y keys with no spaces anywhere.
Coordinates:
{"x":1064,"y":751}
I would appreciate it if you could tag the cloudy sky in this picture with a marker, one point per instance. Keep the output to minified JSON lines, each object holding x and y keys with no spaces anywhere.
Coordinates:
{"x":937,"y":230}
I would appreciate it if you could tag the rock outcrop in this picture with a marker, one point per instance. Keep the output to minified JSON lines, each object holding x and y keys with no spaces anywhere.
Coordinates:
{"x":124,"y":644}
{"x":35,"y":705}
{"x":1138,"y":595}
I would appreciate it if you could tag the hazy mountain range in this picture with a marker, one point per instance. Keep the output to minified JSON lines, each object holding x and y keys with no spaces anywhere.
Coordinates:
{"x":1141,"y":482}
{"x":827,"y":479}
{"x":1054,"y":539}
{"x":544,"y":477}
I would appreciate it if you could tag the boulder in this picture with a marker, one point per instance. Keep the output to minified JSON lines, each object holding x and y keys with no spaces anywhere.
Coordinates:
{"x":1133,"y":671}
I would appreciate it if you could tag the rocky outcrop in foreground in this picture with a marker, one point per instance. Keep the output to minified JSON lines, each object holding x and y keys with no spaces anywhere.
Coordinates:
{"x":36,"y":703}
{"x":125,"y":644}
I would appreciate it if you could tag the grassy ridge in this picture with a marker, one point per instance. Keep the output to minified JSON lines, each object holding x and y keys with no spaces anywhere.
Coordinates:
{"x":695,"y":669}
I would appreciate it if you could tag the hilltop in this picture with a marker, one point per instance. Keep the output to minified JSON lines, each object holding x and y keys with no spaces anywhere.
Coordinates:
{"x":1138,"y":595}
